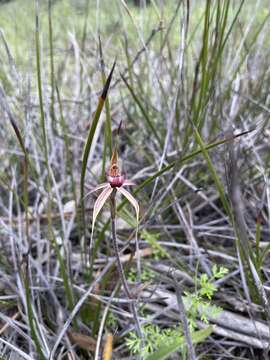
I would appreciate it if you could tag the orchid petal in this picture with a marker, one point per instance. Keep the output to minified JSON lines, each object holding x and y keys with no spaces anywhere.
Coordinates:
{"x":135,"y":204}
{"x":128,"y":183}
{"x":101,"y":201}
{"x":99,"y":205}
{"x":131,"y":199}
{"x":98,"y":187}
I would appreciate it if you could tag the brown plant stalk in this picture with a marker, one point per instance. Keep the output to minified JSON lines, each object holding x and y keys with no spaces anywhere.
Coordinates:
{"x":120,"y":266}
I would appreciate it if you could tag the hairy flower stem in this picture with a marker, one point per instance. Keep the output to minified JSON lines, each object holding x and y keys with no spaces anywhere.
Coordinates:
{"x":120,"y":267}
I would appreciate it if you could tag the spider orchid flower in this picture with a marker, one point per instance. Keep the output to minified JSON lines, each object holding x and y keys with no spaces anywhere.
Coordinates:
{"x":115,"y":182}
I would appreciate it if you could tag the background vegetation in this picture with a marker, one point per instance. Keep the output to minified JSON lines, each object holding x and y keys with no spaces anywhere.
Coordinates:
{"x":191,"y":89}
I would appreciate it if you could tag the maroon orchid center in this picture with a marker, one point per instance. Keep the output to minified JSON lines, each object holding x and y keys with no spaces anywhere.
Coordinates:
{"x":116,"y":181}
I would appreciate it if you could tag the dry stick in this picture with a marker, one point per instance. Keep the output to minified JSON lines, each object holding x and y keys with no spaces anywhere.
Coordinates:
{"x":120,"y":267}
{"x":7,"y":325}
{"x":76,"y":309}
{"x":190,"y":236}
{"x":183,"y":318}
{"x":240,"y":226}
{"x":102,"y":324}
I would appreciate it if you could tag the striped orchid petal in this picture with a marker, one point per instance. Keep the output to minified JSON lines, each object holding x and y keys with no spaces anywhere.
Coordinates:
{"x":135,"y":204}
{"x":101,"y":201}
{"x":131,"y":199}
{"x":99,"y":205}
{"x":128,"y":183}
{"x":98,"y":187}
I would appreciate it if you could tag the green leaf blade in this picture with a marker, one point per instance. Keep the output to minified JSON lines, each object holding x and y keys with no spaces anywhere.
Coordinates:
{"x":166,"y":350}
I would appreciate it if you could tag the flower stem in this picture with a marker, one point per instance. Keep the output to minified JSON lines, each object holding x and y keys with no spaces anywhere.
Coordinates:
{"x":120,"y":268}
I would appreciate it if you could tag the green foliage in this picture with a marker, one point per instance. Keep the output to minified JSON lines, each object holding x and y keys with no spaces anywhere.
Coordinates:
{"x":219,"y":273}
{"x":197,"y":304}
{"x":167,"y":349}
{"x":152,"y":240}
{"x":146,"y":275}
{"x":199,"y":301}
{"x":160,"y":343}
{"x":154,"y":337}
{"x":111,"y":320}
